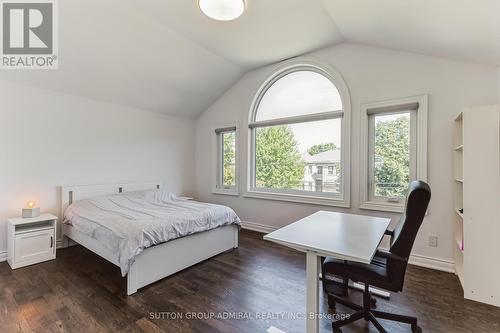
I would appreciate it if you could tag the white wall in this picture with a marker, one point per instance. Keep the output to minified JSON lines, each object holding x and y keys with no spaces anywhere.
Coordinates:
{"x":50,"y":139}
{"x":498,"y":84}
{"x":372,"y":74}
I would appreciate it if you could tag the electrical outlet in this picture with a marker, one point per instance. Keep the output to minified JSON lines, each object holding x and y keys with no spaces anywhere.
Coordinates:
{"x":433,"y":241}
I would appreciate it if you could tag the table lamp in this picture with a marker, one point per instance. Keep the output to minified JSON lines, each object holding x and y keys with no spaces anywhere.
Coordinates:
{"x":31,"y":210}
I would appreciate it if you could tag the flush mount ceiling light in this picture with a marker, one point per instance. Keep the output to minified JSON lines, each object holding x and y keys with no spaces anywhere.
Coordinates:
{"x":222,"y":10}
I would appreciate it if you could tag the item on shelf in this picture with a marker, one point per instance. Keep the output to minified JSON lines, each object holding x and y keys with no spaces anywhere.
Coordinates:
{"x":31,"y":210}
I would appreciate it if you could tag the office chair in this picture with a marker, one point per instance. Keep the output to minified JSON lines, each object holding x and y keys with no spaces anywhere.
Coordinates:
{"x":386,"y":270}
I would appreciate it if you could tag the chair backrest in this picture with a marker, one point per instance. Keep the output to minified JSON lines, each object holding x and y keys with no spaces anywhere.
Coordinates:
{"x":417,"y":201}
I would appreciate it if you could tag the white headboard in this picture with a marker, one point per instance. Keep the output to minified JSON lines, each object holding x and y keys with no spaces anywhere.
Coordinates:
{"x":70,"y":194}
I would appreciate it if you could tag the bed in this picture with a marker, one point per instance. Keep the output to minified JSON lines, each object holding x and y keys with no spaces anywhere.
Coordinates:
{"x":146,"y":231}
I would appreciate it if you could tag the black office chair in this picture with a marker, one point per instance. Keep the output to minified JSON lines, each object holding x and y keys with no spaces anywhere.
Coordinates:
{"x":387,"y":269}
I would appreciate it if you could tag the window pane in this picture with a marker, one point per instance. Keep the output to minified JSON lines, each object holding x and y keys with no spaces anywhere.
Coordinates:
{"x":229,"y":158}
{"x":299,"y":93}
{"x":296,"y":157}
{"x":391,"y":155}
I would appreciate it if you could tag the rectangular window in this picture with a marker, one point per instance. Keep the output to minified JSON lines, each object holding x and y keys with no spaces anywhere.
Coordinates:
{"x":395,"y":151}
{"x":391,"y":155}
{"x":330,"y":169}
{"x":226,"y":162}
{"x":285,"y":156}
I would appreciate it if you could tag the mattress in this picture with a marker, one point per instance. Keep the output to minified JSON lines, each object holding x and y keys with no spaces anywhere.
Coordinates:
{"x":128,"y":223}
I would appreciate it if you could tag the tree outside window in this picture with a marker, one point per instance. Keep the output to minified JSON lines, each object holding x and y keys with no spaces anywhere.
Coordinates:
{"x":229,"y":158}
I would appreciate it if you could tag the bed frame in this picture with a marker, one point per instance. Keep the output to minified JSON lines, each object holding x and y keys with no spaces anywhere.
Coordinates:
{"x":157,"y":262}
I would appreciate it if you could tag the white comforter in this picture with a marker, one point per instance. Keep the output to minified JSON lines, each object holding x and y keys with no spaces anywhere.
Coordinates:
{"x":128,"y":223}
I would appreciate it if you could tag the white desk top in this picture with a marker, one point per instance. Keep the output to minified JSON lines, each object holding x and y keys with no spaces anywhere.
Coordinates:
{"x":343,"y":236}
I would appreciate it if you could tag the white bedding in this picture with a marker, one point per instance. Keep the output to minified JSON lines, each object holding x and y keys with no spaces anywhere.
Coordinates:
{"x":127,"y":223}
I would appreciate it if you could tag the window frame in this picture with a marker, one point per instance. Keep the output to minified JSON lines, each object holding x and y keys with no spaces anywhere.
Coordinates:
{"x":218,"y":164}
{"x":319,"y":198}
{"x":418,"y":149}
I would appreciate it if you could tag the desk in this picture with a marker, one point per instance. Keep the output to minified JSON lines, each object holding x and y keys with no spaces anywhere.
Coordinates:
{"x":322,"y":234}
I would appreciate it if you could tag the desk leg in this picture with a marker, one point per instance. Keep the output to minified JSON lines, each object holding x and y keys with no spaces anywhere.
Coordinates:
{"x":312,"y":306}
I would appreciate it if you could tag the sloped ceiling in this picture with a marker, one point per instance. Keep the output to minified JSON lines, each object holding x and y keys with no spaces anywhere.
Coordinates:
{"x":466,"y":30}
{"x":166,"y":56}
{"x":269,"y":30}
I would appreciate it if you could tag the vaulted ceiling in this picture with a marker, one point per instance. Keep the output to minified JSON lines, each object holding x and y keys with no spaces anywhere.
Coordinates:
{"x":166,"y":56}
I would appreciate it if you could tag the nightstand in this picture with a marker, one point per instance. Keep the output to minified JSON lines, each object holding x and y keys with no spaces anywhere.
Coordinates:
{"x":31,"y":240}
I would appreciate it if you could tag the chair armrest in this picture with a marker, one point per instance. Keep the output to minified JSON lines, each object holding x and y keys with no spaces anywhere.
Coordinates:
{"x":388,"y":255}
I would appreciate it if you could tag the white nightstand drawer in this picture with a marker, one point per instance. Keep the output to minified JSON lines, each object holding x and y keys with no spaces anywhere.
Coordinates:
{"x":33,"y":247}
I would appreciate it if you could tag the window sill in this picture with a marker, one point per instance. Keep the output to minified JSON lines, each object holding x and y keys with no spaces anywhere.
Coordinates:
{"x":234,"y":193}
{"x":383,"y":206}
{"x":297,"y":198}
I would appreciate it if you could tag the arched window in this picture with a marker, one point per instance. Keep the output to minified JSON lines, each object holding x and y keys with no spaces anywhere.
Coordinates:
{"x":299,"y":137}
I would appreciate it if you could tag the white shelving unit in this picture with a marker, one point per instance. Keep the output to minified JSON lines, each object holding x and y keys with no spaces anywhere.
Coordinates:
{"x":476,"y":157}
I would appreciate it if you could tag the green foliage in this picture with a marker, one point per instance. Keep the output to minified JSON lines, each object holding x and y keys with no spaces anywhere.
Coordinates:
{"x":228,"y":141}
{"x":278,"y":163}
{"x":392,"y":157}
{"x":320,"y":148}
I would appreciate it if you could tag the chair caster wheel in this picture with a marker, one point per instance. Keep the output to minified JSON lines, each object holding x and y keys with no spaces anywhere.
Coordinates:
{"x":373,"y":302}
{"x":416,"y":329}
{"x":332,"y":304}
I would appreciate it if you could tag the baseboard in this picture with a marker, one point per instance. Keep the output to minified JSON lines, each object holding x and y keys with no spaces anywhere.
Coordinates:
{"x":415,"y":259}
{"x":433,"y":263}
{"x":258,"y":227}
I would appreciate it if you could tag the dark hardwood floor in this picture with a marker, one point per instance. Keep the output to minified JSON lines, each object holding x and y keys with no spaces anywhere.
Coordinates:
{"x":80,"y":292}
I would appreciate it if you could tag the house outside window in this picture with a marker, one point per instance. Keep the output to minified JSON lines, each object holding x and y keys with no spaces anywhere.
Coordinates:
{"x":319,"y":180}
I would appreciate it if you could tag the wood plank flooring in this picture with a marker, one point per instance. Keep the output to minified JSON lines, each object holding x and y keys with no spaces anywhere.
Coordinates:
{"x":80,"y":292}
